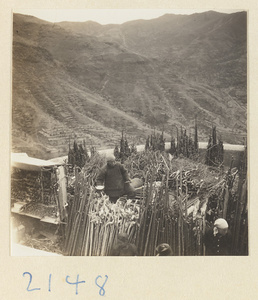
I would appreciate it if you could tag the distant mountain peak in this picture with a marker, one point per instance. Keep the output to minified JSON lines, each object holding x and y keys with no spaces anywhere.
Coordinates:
{"x":95,"y":80}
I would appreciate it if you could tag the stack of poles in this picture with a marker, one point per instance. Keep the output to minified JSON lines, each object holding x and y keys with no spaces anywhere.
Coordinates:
{"x":77,"y":217}
{"x":240,"y":226}
{"x":100,"y":237}
{"x":238,"y":208}
{"x":161,"y":224}
{"x":84,"y":236}
{"x":240,"y":222}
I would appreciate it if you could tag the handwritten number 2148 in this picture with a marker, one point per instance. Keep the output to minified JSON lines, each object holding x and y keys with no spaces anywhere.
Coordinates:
{"x":76,"y":283}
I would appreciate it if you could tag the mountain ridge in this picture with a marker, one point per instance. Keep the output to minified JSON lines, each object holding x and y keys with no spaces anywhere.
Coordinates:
{"x":127,"y":77}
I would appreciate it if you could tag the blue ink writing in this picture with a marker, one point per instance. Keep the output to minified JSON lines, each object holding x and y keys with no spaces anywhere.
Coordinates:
{"x":101,"y":291}
{"x":49,"y":282}
{"x":76,"y":283}
{"x":30,"y":290}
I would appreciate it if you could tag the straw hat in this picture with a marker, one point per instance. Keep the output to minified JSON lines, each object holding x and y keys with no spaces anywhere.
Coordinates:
{"x":110,"y":157}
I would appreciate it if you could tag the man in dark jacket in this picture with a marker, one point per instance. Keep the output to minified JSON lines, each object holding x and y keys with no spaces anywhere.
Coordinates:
{"x":217,"y":240}
{"x":114,"y":177}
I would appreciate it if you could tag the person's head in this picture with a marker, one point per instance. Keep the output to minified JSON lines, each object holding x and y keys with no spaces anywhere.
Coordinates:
{"x":164,"y":250}
{"x":111,"y":160}
{"x":123,"y":237}
{"x":127,"y":250}
{"x":220,"y":226}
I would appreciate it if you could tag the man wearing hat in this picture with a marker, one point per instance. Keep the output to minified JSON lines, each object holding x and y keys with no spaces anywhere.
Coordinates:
{"x":217,"y":239}
{"x":114,"y":178}
{"x":164,"y":250}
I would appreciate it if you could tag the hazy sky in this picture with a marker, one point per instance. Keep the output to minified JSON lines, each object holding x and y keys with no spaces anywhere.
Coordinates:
{"x":105,"y":16}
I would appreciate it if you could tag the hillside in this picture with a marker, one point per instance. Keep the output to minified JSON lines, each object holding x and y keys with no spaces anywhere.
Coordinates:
{"x":91,"y":81}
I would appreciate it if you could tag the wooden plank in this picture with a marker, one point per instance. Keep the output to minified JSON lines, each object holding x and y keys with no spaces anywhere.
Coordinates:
{"x":17,"y":206}
{"x":62,"y":193}
{"x":25,"y":214}
{"x":50,"y":220}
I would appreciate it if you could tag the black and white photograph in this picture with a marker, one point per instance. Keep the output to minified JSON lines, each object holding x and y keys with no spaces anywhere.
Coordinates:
{"x":129,"y":133}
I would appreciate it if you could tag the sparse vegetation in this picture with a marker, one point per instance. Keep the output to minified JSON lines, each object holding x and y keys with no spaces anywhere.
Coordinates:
{"x":124,"y":150}
{"x":184,"y":145}
{"x":78,"y":155}
{"x":106,"y":88}
{"x":155,"y":142}
{"x":215,"y":150}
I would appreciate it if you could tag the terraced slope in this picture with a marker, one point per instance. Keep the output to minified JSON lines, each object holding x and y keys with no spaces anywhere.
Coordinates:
{"x":91,"y":81}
